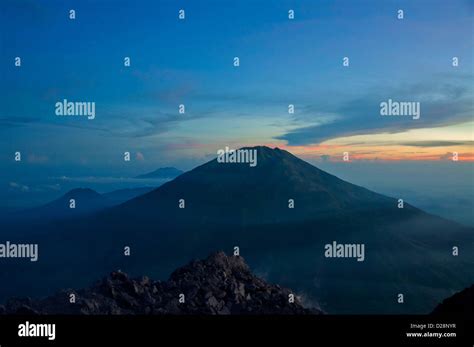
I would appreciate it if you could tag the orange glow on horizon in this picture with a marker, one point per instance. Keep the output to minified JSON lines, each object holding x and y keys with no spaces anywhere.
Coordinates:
{"x":380,"y":153}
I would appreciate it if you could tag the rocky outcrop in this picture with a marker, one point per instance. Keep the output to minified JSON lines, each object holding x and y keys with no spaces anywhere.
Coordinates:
{"x":218,"y":285}
{"x":460,"y":304}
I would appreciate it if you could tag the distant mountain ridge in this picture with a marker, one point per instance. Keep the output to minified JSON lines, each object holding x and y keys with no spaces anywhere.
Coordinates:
{"x":76,"y":202}
{"x":84,"y":200}
{"x":164,"y":172}
{"x":226,"y":205}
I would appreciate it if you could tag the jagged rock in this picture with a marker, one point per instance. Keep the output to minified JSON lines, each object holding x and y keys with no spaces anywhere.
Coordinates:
{"x":460,"y":304}
{"x":219,"y":285}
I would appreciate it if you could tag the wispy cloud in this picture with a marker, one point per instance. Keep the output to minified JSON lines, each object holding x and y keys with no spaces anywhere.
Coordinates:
{"x":437,"y":143}
{"x":445,"y":100}
{"x":18,"y":187}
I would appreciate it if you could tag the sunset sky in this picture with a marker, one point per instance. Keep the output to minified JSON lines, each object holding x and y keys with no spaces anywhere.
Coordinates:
{"x":282,"y":62}
{"x":414,"y":144}
{"x":190,"y":62}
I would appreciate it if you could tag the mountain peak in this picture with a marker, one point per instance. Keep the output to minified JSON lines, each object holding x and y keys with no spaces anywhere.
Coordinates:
{"x":234,"y":190}
{"x":265,"y":150}
{"x":264,"y":156}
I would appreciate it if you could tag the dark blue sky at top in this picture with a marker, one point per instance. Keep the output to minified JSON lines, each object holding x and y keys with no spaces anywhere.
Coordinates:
{"x":173,"y":61}
{"x":190,"y":62}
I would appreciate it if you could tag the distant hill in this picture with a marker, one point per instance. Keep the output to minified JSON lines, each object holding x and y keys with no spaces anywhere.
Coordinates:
{"x":163,"y":173}
{"x":85,"y":201}
{"x":218,"y":285}
{"x":227,"y":205}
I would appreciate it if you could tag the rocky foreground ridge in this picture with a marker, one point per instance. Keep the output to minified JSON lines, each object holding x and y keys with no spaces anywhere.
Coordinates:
{"x":460,"y":304}
{"x":218,"y":285}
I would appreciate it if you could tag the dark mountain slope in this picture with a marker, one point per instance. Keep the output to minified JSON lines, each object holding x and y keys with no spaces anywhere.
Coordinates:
{"x":119,"y":196}
{"x":406,"y":250}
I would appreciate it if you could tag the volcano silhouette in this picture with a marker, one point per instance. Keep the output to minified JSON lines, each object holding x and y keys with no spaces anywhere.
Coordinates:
{"x":234,"y":206}
{"x":239,"y":194}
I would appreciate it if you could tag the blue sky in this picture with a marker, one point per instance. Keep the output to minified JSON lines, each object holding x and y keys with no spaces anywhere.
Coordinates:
{"x":282,"y":61}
